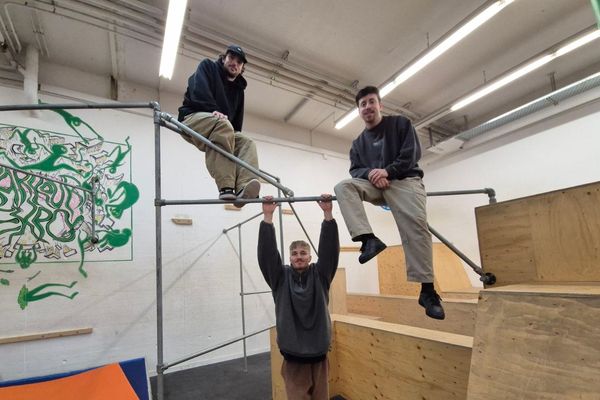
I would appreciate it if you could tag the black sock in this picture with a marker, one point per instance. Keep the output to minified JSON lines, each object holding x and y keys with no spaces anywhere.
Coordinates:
{"x":363,"y":238}
{"x":427,"y":287}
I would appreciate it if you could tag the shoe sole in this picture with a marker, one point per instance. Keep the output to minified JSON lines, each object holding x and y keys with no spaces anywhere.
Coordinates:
{"x":228,"y":197}
{"x":372,"y":256}
{"x":251,"y":191}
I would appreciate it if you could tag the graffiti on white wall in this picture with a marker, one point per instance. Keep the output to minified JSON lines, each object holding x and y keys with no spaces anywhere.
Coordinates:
{"x":44,"y":223}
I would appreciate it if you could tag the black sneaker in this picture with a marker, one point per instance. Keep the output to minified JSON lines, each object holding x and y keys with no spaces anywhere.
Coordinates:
{"x":227,"y":194}
{"x":370,"y":249}
{"x":432,"y":304}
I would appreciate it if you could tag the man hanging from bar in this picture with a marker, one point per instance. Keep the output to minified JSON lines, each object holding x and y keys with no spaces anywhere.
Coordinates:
{"x":213,"y":106}
{"x":301,"y":295}
{"x":385,"y":171}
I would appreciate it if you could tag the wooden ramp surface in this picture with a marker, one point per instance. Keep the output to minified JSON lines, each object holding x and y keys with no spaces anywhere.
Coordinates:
{"x":537,"y":342}
{"x":449,"y":273}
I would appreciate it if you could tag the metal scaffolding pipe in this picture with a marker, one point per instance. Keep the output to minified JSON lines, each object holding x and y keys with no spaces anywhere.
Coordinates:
{"x":163,"y":202}
{"x":22,"y":107}
{"x":221,"y":345}
{"x":182,"y":128}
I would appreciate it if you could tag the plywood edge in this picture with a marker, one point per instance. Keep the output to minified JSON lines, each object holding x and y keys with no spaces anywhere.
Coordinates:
{"x":537,"y":195}
{"x":420,"y":333}
{"x":413,"y":298}
{"x":44,"y":335}
{"x":573,"y":289}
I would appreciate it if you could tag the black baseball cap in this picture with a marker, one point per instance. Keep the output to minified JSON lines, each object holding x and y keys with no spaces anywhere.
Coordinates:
{"x":237,"y":50}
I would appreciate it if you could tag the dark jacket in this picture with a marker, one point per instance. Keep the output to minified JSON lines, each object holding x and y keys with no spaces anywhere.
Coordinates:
{"x":398,"y":152}
{"x":302,"y":317}
{"x":209,"y":90}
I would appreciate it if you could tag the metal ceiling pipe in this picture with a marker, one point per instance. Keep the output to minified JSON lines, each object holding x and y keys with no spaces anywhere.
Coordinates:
{"x":30,"y":75}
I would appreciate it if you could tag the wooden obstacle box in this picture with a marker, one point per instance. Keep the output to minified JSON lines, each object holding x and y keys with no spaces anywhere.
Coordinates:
{"x":379,"y":360}
{"x":537,"y":342}
{"x":549,"y":237}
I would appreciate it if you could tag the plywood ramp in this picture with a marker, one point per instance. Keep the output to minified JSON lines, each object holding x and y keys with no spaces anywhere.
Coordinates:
{"x":449,"y":272}
{"x":550,"y":237}
{"x":537,"y":342}
{"x":460,"y":314}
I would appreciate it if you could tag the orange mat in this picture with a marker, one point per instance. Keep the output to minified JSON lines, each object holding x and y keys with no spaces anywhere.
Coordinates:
{"x":108,"y":382}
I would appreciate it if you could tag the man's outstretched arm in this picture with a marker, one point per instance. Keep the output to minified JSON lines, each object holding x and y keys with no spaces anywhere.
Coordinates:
{"x":329,"y":241}
{"x":269,"y":259}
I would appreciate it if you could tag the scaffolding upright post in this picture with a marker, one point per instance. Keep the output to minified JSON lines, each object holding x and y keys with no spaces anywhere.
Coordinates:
{"x":158,"y":218}
{"x":242,"y":295}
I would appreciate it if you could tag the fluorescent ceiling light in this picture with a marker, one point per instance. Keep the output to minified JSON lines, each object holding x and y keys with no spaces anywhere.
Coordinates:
{"x":346,"y":119}
{"x":535,"y":64}
{"x":175,"y":16}
{"x":434,"y":53}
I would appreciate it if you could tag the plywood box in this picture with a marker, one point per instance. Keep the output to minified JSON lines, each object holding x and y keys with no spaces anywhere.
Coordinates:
{"x":550,"y":237}
{"x":537,"y":342}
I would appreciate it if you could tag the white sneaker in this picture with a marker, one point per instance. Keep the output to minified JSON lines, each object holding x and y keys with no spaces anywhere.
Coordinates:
{"x":250,"y":191}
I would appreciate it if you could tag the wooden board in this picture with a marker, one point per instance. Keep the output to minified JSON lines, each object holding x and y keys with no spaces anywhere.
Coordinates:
{"x":45,"y":335}
{"x":550,"y":237}
{"x":449,"y":273}
{"x":538,"y":344}
{"x":384,"y":361}
{"x":337,"y":293}
{"x":460,"y":314}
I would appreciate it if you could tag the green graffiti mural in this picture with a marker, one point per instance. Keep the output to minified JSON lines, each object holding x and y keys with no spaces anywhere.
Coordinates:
{"x":44,"y":223}
{"x":26,"y":296}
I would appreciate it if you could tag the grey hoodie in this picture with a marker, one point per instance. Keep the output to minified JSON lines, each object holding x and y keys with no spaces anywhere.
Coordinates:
{"x":301,"y":299}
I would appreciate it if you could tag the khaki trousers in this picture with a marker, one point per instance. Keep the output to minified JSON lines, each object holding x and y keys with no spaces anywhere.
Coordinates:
{"x":406,"y":199}
{"x":225,"y":172}
{"x":306,"y":381}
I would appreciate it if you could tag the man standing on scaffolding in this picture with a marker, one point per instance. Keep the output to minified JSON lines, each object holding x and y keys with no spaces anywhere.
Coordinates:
{"x":301,"y":295}
{"x":213,"y":106}
{"x":385,"y":170}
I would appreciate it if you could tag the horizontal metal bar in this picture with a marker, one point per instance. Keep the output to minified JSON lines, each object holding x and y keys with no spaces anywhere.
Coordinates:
{"x":249,"y":293}
{"x":241,"y":201}
{"x":190,"y":132}
{"x":217,"y":347}
{"x":242,"y":223}
{"x":47,"y":178}
{"x":489,"y":191}
{"x":75,"y":106}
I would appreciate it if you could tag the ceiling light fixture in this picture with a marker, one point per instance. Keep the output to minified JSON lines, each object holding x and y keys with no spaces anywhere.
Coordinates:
{"x":437,"y":50}
{"x":175,"y":16}
{"x":529,"y":67}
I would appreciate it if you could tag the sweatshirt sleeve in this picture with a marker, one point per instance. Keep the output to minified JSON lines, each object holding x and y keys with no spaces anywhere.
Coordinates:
{"x":329,"y":250}
{"x":357,"y":168}
{"x":409,"y":150}
{"x":269,"y":259}
{"x":201,"y":88}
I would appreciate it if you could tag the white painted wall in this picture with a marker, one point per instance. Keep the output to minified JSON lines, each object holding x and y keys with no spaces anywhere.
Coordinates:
{"x":200,"y":264}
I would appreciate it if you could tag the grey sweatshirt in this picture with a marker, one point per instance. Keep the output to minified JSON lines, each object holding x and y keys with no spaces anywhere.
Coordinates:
{"x":301,"y":299}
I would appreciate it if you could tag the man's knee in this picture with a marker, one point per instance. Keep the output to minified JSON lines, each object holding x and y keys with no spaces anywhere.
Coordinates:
{"x":342,"y":186}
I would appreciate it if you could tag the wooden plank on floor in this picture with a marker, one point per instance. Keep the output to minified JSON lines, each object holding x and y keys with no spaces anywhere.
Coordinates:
{"x":537,"y":344}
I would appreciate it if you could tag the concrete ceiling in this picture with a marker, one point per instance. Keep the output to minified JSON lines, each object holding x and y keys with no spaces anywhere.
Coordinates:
{"x":306,"y":57}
